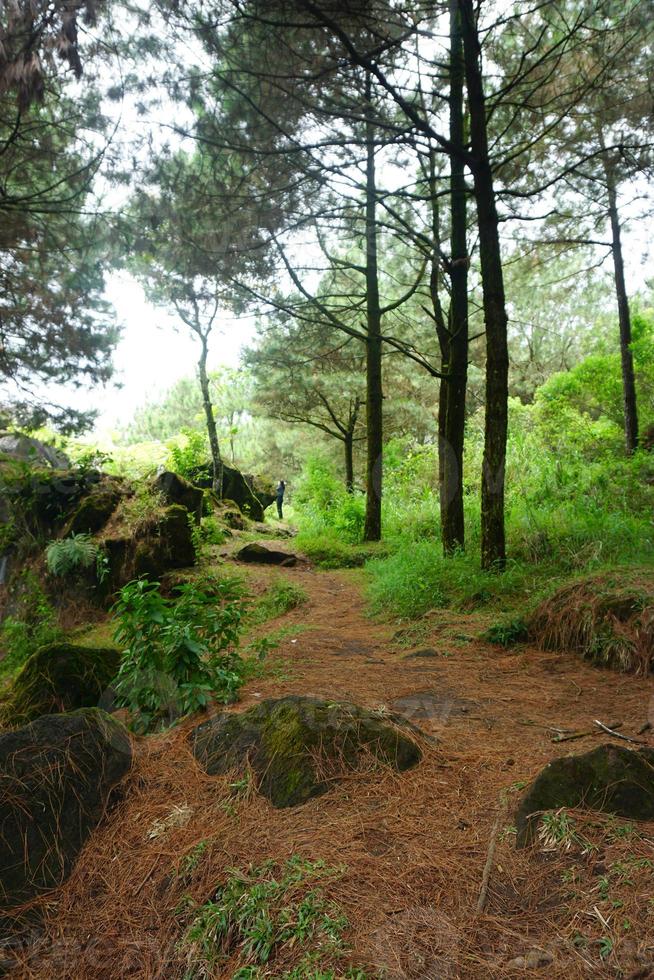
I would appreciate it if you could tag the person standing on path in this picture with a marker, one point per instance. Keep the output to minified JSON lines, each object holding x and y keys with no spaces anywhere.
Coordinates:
{"x":281,"y":486}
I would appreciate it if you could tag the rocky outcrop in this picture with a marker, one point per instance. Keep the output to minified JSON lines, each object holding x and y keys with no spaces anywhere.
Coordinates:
{"x":56,"y":778}
{"x":250,"y":494}
{"x":164,"y":542}
{"x":610,"y":778}
{"x":58,"y":678}
{"x":298,"y":746}
{"x":28,"y":450}
{"x":95,"y":509}
{"x":176,"y":490}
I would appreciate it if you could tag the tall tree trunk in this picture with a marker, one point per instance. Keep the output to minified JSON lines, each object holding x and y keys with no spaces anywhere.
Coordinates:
{"x":493,"y":540}
{"x":217,"y":481}
{"x":374,"y":391}
{"x":348,"y":446}
{"x":454,"y":339}
{"x":624,"y":317}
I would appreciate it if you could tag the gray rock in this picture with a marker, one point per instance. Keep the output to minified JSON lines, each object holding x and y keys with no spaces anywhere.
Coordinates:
{"x":297,"y":746}
{"x":262,"y":554}
{"x":56,"y":777}
{"x":610,"y":778}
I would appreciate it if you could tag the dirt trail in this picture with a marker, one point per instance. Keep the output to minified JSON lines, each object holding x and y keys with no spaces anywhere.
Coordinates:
{"x":414,"y":844}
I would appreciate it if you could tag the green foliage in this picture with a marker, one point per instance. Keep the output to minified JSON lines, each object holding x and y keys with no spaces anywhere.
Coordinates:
{"x":325,"y":505}
{"x":34,"y":625}
{"x":508,"y":633}
{"x":187,"y":454}
{"x":280,"y":597}
{"x":178,"y":653}
{"x":71,"y":555}
{"x":265,"y":912}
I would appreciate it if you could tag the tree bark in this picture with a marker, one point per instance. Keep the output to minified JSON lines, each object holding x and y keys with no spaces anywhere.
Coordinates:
{"x":454,"y":339}
{"x":493,"y":539}
{"x":217,"y":481}
{"x":348,"y":445}
{"x":374,"y":390}
{"x":624,"y":317}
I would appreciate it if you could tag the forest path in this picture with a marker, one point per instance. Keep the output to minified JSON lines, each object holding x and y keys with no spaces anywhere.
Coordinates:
{"x":414,"y":845}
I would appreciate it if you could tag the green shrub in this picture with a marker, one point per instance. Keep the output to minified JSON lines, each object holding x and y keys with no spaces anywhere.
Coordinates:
{"x":178,"y":653}
{"x":186,"y":456}
{"x":71,"y":555}
{"x":267,"y":913}
{"x":34,"y":625}
{"x":508,"y":633}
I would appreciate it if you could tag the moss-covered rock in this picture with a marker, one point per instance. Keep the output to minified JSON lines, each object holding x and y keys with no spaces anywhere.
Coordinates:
{"x":56,"y":776}
{"x":297,"y":746}
{"x":164,"y":542}
{"x":94,"y":510}
{"x":176,"y":490}
{"x":58,"y":678}
{"x":261,"y":554}
{"x":610,"y":778}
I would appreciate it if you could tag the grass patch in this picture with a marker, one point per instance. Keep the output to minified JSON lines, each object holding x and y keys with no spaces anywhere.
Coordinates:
{"x":416,"y":578}
{"x":265,"y":917}
{"x":280,"y":597}
{"x":608,"y":618}
{"x":328,"y":551}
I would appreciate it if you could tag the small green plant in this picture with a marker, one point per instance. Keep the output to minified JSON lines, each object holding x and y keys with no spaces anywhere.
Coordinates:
{"x":507,"y":634}
{"x":71,"y":555}
{"x":178,"y":653}
{"x":558,"y":831}
{"x":265,"y":912}
{"x":34,"y":626}
{"x":191,"y":861}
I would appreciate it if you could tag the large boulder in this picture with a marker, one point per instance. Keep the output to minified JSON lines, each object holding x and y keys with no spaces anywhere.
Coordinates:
{"x":28,"y":450}
{"x":261,"y":554}
{"x":163,"y":543}
{"x":56,"y":777}
{"x":176,"y":490}
{"x":94,"y":510}
{"x":610,"y":778}
{"x":61,"y":677}
{"x":297,"y":746}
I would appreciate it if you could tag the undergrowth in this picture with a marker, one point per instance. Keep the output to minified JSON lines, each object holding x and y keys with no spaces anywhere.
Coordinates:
{"x":31,"y":626}
{"x":275,"y":920}
{"x":280,"y":597}
{"x":179,"y":653}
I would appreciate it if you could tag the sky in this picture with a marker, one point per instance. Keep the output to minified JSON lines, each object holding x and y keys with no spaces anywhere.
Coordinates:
{"x":153,"y":354}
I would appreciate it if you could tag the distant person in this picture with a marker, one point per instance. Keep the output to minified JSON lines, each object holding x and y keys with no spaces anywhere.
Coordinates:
{"x":281,"y":486}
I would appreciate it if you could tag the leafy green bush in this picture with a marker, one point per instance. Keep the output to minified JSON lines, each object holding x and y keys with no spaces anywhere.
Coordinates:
{"x":266,"y":913}
{"x":178,"y":653}
{"x":71,"y":555}
{"x":185,"y":456}
{"x":34,"y":626}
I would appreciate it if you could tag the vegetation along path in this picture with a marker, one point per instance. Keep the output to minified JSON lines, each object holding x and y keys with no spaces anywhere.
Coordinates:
{"x":421,"y":866}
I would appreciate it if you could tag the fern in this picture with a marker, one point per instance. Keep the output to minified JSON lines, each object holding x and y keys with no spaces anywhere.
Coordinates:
{"x":70,"y":555}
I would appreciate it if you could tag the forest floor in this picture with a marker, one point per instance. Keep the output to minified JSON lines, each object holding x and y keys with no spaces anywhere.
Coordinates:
{"x":412,"y":846}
